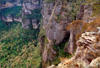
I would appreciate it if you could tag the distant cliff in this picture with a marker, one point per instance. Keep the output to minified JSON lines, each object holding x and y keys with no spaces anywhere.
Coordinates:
{"x":31,"y":14}
{"x":10,"y":11}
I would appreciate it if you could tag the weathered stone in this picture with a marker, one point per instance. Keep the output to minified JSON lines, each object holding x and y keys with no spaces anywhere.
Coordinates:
{"x":87,"y":54}
{"x":84,"y":14}
{"x":26,"y":24}
{"x":52,"y":66}
{"x":55,"y":30}
{"x":88,"y":11}
{"x":18,"y":19}
{"x":9,"y":18}
{"x":34,"y":24}
{"x":81,"y":13}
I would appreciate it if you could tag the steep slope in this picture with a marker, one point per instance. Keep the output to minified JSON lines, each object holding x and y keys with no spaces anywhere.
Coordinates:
{"x":18,"y":47}
{"x":87,"y":44}
{"x":54,"y":23}
{"x":87,"y":54}
{"x":85,"y":14}
{"x":57,"y":15}
{"x":11,"y":14}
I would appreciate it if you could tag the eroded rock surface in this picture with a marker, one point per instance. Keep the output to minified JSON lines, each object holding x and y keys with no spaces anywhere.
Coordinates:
{"x":55,"y":28}
{"x":10,"y":18}
{"x":85,"y":14}
{"x":87,"y":54}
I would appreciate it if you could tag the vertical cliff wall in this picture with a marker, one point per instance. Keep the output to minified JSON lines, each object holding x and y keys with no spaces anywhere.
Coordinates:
{"x":85,"y":14}
{"x":55,"y":22}
{"x":56,"y":17}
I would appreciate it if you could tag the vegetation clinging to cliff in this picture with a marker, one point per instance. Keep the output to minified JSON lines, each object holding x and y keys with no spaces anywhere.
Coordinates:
{"x":49,"y":1}
{"x":96,"y":8}
{"x":80,"y":27}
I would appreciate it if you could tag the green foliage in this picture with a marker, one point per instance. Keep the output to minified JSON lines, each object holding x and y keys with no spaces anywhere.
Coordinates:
{"x":49,"y":1}
{"x":36,"y":14}
{"x":78,"y":27}
{"x":58,"y":18}
{"x":96,"y":8}
{"x":60,"y":52}
{"x":42,"y":30}
{"x":4,"y":1}
{"x":14,"y":11}
{"x":18,"y":47}
{"x":60,"y":49}
{"x":56,"y":61}
{"x":71,"y":10}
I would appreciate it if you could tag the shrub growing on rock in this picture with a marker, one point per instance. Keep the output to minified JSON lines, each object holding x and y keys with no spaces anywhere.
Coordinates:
{"x":79,"y":27}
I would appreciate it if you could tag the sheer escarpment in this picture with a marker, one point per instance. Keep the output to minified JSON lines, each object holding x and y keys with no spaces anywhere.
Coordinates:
{"x":54,"y":23}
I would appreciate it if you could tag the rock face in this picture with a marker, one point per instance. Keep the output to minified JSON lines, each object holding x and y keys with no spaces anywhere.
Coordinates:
{"x":10,"y":4}
{"x":34,"y":24}
{"x":26,"y":24}
{"x":28,"y":7}
{"x":88,"y":11}
{"x":55,"y":25}
{"x":55,"y":30}
{"x":10,"y":18}
{"x":94,"y":64}
{"x":84,"y":14}
{"x":87,"y":53}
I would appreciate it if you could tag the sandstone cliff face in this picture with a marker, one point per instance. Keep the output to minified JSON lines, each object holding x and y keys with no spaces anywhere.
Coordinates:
{"x":87,"y":53}
{"x":55,"y":30}
{"x":55,"y":23}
